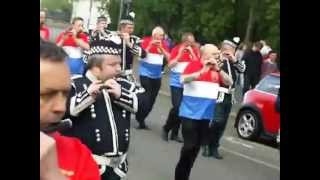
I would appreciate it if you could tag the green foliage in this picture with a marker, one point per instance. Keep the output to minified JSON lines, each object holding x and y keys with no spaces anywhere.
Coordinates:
{"x":57,"y":5}
{"x":210,"y":21}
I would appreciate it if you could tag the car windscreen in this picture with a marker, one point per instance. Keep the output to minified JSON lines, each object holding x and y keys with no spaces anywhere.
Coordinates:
{"x":269,"y":84}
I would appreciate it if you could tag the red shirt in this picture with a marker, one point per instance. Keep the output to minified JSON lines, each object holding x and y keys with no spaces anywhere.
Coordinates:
{"x":186,"y":55}
{"x":75,"y":159}
{"x":210,"y":76}
{"x":45,"y":32}
{"x":70,"y":41}
{"x":154,"y":48}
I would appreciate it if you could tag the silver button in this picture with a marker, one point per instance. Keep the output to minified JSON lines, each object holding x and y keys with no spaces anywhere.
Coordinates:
{"x":92,"y":109}
{"x":98,"y":135}
{"x":93,"y":115}
{"x":98,"y":139}
{"x":97,"y":130}
{"x":127,"y":130}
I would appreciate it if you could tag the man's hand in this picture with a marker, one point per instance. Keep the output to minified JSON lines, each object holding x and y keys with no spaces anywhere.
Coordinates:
{"x":49,"y":169}
{"x":189,"y":48}
{"x":114,"y":88}
{"x":213,"y":64}
{"x":126,"y":37}
{"x":94,"y":88}
{"x":230,"y":56}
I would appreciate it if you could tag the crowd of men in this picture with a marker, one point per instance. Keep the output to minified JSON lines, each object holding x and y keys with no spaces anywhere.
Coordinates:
{"x":87,"y":79}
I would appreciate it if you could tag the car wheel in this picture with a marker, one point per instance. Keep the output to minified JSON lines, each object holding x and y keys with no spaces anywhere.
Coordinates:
{"x":248,"y":126}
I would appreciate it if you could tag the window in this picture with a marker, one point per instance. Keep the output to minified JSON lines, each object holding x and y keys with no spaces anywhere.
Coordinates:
{"x":269,"y":84}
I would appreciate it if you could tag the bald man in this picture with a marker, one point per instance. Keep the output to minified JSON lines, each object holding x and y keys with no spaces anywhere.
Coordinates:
{"x":201,"y":81}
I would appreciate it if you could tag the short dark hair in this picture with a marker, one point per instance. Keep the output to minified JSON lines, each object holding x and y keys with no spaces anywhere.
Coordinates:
{"x":101,"y":18}
{"x":51,"y":52}
{"x":258,"y":44}
{"x":76,"y":19}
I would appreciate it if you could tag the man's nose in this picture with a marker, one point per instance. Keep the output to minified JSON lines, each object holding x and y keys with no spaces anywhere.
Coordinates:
{"x":59,"y":105}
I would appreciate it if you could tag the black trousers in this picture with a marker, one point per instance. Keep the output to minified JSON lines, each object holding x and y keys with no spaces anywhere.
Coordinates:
{"x":173,"y":121}
{"x":194,"y":133}
{"x":220,"y":120}
{"x":109,"y":174}
{"x":152,"y":87}
{"x":250,"y":81}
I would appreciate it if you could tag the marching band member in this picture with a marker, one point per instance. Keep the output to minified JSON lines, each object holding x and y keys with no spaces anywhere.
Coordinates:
{"x":96,"y":107}
{"x":201,"y":81}
{"x":150,"y":71}
{"x":181,"y":55}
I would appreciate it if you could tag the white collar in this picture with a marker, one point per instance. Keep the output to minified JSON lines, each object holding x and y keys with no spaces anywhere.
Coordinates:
{"x":90,"y":76}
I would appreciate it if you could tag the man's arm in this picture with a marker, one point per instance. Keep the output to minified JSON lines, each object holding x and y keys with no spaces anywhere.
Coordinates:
{"x":240,"y":66}
{"x":226,"y":79}
{"x":79,"y":101}
{"x":81,"y":43}
{"x":190,"y":77}
{"x":175,"y":60}
{"x":60,"y":40}
{"x":128,"y":99}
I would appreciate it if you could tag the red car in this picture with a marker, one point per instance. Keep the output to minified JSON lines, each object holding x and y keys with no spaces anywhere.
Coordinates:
{"x":258,"y":116}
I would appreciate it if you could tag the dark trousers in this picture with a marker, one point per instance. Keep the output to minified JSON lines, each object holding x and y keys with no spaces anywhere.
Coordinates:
{"x":109,"y":174}
{"x":152,"y":87}
{"x":194,"y":133}
{"x":220,"y":119}
{"x":250,"y":81}
{"x":173,"y":121}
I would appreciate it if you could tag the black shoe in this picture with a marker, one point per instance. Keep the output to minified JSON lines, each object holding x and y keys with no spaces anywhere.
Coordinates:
{"x":216,"y":154}
{"x":206,"y":151}
{"x":145,"y":127}
{"x":164,"y":134}
{"x":177,"y":138}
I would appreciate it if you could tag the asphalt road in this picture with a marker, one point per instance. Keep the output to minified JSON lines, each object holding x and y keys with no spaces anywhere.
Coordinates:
{"x":151,"y":158}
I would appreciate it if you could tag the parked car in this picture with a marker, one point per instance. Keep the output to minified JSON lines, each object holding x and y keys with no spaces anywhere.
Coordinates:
{"x":257,"y":115}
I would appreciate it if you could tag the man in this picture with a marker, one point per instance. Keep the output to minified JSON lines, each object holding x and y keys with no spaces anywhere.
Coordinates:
{"x":97,"y":106}
{"x":74,"y":159}
{"x":269,"y":65}
{"x":150,"y":72}
{"x":231,"y":66}
{"x":44,"y":30}
{"x":181,"y":55}
{"x":101,"y":27}
{"x":131,"y":49}
{"x":130,"y":43}
{"x":201,"y":85}
{"x":253,"y":61}
{"x":74,"y":41}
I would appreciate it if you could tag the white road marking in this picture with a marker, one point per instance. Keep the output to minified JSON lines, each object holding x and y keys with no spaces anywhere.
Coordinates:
{"x":252,"y":159}
{"x":235,"y":141}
